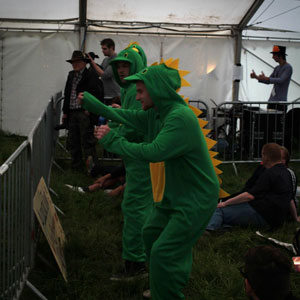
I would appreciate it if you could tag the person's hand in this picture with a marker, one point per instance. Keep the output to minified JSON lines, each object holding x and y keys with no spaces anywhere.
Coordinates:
{"x":88,"y":55}
{"x":221,"y":204}
{"x":262,"y":76}
{"x":115,"y":105}
{"x":116,"y":192}
{"x":101,"y":131}
{"x":80,"y":98}
{"x":253,"y":74}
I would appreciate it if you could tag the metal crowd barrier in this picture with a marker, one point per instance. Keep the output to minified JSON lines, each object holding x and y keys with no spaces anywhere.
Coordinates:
{"x":19,"y":178}
{"x":242,"y":128}
{"x":203,"y":107}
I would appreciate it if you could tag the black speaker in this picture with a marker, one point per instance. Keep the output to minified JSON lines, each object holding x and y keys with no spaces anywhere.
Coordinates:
{"x":267,"y":127}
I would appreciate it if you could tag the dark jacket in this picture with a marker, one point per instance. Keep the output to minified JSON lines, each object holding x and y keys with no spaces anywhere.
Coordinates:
{"x":89,"y":82}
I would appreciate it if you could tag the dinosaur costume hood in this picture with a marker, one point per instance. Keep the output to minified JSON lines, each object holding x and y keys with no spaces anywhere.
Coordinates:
{"x":161,"y":83}
{"x":132,"y":56}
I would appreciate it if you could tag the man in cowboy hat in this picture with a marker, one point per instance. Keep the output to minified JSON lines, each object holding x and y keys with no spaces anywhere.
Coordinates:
{"x":280,"y":78}
{"x":80,"y":122}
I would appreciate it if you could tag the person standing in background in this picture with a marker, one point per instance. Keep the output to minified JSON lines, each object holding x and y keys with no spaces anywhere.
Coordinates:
{"x":111,"y":88}
{"x":280,"y":78}
{"x":80,"y":141}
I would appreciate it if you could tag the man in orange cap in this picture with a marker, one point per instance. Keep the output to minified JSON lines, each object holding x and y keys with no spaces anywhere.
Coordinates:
{"x":280,"y":78}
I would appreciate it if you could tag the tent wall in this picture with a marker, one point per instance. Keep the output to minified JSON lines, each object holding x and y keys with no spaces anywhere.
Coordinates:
{"x":208,"y":59}
{"x":34,"y":68}
{"x":256,"y":55}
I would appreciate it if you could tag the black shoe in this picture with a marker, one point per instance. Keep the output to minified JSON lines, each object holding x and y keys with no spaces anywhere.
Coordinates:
{"x":60,"y":126}
{"x":132,"y":271}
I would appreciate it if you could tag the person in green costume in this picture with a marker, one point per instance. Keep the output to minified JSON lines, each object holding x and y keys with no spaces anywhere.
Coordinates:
{"x":137,"y":201}
{"x":172,"y":135}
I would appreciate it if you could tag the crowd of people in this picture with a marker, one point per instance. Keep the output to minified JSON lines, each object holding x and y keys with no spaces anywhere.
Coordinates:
{"x":151,"y":127}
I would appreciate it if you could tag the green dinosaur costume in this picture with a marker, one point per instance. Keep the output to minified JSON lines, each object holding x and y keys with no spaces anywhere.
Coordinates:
{"x":191,"y":190}
{"x":137,"y":201}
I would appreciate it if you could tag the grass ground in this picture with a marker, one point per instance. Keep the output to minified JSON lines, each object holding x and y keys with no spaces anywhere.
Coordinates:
{"x":8,"y":144}
{"x":93,"y":224}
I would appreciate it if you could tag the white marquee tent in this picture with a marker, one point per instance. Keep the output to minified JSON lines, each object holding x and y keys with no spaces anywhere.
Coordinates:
{"x":209,"y":37}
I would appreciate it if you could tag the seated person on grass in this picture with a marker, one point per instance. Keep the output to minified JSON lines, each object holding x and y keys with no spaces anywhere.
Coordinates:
{"x":285,"y":158}
{"x":266,"y":204}
{"x":115,"y":176}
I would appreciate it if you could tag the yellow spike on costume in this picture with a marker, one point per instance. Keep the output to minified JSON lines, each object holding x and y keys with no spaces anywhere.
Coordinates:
{"x":202,"y":122}
{"x":184,"y":82}
{"x":183,"y":73}
{"x":223,"y":194}
{"x":213,"y":153}
{"x":167,"y":62}
{"x":218,"y":171}
{"x":216,"y":162}
{"x":205,"y":131}
{"x":174,"y":64}
{"x":132,"y":43}
{"x":210,"y":143}
{"x":196,"y":110}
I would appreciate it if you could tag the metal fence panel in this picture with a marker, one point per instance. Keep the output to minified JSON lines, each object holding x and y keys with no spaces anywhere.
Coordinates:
{"x":242,"y":128}
{"x":19,"y":178}
{"x":15,"y":216}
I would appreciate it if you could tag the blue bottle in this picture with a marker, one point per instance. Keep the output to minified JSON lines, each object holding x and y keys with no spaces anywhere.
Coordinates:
{"x":101,"y":121}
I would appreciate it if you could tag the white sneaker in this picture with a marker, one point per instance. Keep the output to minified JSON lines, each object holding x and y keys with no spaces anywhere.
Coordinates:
{"x":147,"y":294}
{"x":107,"y":191}
{"x":75,"y":188}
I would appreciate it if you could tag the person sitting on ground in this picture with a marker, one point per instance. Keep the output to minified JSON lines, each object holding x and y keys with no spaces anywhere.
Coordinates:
{"x":267,"y":274}
{"x":115,"y":176}
{"x":285,"y":158}
{"x":265,"y":204}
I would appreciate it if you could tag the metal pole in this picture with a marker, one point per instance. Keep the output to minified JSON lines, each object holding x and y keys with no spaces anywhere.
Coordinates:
{"x":82,"y":23}
{"x":238,"y":49}
{"x":35,"y":290}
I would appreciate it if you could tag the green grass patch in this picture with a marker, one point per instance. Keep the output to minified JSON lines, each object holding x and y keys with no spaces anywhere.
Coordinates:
{"x":8,"y":144}
{"x":93,"y":227}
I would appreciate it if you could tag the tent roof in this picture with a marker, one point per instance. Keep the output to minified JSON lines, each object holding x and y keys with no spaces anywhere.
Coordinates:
{"x":273,"y":19}
{"x":156,"y":16}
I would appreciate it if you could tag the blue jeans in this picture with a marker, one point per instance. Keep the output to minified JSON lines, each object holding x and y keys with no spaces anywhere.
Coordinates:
{"x":240,"y":214}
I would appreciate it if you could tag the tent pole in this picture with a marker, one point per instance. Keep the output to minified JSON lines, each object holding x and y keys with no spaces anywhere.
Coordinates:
{"x":238,"y":44}
{"x":82,"y":24}
{"x":237,"y":60}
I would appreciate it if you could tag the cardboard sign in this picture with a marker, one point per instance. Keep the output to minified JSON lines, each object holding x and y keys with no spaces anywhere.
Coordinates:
{"x":48,"y":219}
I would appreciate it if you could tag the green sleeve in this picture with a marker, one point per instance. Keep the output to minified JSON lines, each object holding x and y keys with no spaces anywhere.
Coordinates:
{"x":131,"y":118}
{"x":172,"y":141}
{"x":129,"y":102}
